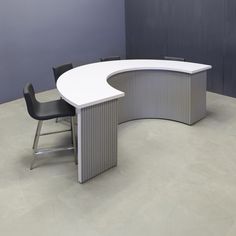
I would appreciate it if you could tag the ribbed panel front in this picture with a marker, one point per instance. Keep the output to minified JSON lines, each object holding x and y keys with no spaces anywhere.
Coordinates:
{"x":161,"y":94}
{"x":98,"y":139}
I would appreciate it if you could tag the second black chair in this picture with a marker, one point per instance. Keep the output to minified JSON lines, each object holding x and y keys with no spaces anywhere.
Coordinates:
{"x":59,"y":70}
{"x":113,"y":58}
{"x":174,"y":58}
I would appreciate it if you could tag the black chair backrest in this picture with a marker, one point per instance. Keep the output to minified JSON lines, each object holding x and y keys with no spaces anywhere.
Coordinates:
{"x":113,"y":58}
{"x":174,"y":58}
{"x":31,"y":101}
{"x":59,"y":70}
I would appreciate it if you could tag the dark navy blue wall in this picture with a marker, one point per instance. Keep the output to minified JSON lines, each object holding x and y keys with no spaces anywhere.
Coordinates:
{"x":36,"y":35}
{"x":198,"y":30}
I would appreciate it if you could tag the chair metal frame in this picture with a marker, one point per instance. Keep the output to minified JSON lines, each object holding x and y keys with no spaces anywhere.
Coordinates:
{"x":39,"y":151}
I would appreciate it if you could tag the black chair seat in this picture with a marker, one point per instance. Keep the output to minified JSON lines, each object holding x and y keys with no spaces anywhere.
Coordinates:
{"x":46,"y":110}
{"x":54,"y":109}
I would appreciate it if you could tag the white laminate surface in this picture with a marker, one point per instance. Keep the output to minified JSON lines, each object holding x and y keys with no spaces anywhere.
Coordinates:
{"x":87,"y":85}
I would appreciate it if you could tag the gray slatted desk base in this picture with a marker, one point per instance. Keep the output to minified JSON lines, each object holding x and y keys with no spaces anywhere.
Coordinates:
{"x":97,"y":139}
{"x":148,"y":94}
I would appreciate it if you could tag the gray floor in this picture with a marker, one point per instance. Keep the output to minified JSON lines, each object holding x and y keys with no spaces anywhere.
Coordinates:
{"x":172,"y":179}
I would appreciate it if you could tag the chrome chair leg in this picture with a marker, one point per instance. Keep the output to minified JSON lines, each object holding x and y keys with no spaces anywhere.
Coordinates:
{"x":74,"y":138}
{"x":37,"y":134}
{"x":36,"y":141}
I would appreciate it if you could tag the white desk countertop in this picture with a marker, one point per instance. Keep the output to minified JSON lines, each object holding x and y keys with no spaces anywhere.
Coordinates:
{"x":87,"y":85}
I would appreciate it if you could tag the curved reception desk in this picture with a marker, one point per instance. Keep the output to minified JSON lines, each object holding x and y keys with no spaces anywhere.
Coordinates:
{"x":108,"y":93}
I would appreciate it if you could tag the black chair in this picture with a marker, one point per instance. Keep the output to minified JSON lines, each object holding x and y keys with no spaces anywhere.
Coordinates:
{"x":174,"y":58}
{"x":59,"y":70}
{"x":113,"y":58}
{"x":46,"y":111}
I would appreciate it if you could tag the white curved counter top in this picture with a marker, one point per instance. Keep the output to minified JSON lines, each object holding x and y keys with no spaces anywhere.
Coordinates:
{"x":147,"y":89}
{"x":87,"y":85}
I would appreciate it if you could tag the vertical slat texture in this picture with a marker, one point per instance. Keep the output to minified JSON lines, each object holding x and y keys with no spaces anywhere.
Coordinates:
{"x":198,"y":96}
{"x":161,"y":94}
{"x":98,"y":139}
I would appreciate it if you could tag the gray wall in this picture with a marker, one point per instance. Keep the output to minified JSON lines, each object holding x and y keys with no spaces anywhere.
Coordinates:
{"x":36,"y":35}
{"x":198,"y":30}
